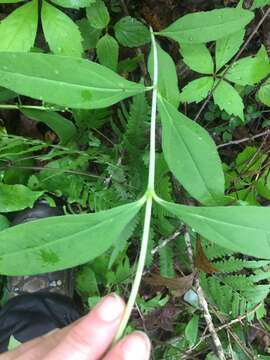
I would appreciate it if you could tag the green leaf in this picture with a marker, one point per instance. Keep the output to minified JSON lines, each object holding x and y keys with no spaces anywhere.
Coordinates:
{"x":191,"y":330}
{"x":13,"y":343}
{"x":197,"y":57}
{"x":131,"y":33}
{"x":191,"y":155}
{"x":89,"y":34}
{"x":167,"y":76}
{"x":207,"y":26}
{"x":61,"y":33}
{"x":18,"y":30}
{"x":9,"y":1}
{"x":243,"y":229}
{"x":64,"y":81}
{"x":62,"y":127}
{"x":4,"y":223}
{"x":74,"y":4}
{"x":259,"y":3}
{"x":197,"y":90}
{"x":250,"y":70}
{"x":108,"y":52}
{"x":264,"y":93}
{"x":51,"y":244}
{"x":17,"y":197}
{"x":98,"y":15}
{"x":227,"y":47}
{"x":228,"y":99}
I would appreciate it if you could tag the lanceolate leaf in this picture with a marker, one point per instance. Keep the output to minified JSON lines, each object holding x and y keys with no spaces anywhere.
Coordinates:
{"x":18,"y":30}
{"x":17,"y":197}
{"x":251,"y":69}
{"x":198,"y":58}
{"x":207,"y":26}
{"x":191,"y":155}
{"x":108,"y":51}
{"x":243,"y":229}
{"x":61,"y":33}
{"x":264,"y":93}
{"x":62,"y":242}
{"x":197,"y":90}
{"x":167,"y":76}
{"x":228,"y":99}
{"x":227,"y":47}
{"x":63,"y":127}
{"x":64,"y":81}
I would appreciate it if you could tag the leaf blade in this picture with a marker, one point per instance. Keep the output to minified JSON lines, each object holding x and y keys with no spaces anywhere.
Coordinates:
{"x":195,"y":149}
{"x":52,"y":78}
{"x":197,"y":90}
{"x":108,"y":52}
{"x":131,"y":33}
{"x":198,"y":58}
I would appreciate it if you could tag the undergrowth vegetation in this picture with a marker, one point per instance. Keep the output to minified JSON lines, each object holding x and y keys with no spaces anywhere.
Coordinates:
{"x":155,"y":144}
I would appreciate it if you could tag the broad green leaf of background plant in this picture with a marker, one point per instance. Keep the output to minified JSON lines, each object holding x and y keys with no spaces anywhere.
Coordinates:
{"x":251,"y":69}
{"x":62,"y":127}
{"x":228,"y":99}
{"x":61,"y":33}
{"x":131,"y":33}
{"x":243,"y":229}
{"x":108,"y":51}
{"x":17,"y":197}
{"x":264,"y":93}
{"x":98,"y":15}
{"x":197,"y":90}
{"x":18,"y":30}
{"x":89,"y":34}
{"x":227,"y":47}
{"x":49,"y":244}
{"x":259,"y":3}
{"x":197,"y":57}
{"x":74,"y":4}
{"x":13,"y":343}
{"x":64,"y":81}
{"x":167,"y":76}
{"x":207,"y":26}
{"x":191,"y":155}
{"x":191,"y":330}
{"x":9,"y":1}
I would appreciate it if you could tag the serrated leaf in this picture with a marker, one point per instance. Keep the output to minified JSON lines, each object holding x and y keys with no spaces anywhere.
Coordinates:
{"x":17,"y":197}
{"x":108,"y":51}
{"x":61,"y":33}
{"x":264,"y":93}
{"x":191,"y":155}
{"x":74,"y":4}
{"x":243,"y":229}
{"x":207,"y":26}
{"x":167,"y":76}
{"x":89,"y":34}
{"x":18,"y":30}
{"x":197,"y":57}
{"x":228,"y":99}
{"x":98,"y":15}
{"x":64,"y":81}
{"x":227,"y":47}
{"x":131,"y":33}
{"x":259,"y":3}
{"x":50,"y":244}
{"x":197,"y":90}
{"x":250,"y":70}
{"x":62,"y":127}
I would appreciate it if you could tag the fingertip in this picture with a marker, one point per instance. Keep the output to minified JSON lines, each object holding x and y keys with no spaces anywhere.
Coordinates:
{"x":110,"y":308}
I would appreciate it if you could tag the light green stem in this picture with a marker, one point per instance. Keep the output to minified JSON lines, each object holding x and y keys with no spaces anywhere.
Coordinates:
{"x":149,"y":193}
{"x":18,"y":107}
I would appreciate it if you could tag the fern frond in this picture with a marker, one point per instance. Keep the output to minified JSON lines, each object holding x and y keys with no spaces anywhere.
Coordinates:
{"x":166,"y":262}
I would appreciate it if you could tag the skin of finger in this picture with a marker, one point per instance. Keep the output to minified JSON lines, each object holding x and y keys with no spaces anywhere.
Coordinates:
{"x":130,"y":349}
{"x":89,"y":339}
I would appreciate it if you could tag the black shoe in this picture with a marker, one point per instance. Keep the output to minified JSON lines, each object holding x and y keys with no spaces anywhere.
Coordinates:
{"x":61,"y":282}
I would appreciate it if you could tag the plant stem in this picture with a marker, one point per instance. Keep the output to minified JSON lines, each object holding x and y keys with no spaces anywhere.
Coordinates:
{"x":149,"y":194}
{"x":18,"y":107}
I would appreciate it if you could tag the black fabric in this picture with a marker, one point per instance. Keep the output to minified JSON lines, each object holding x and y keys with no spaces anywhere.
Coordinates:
{"x":31,"y":315}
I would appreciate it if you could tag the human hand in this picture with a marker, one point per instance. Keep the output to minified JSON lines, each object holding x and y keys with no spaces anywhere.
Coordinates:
{"x":89,"y":338}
